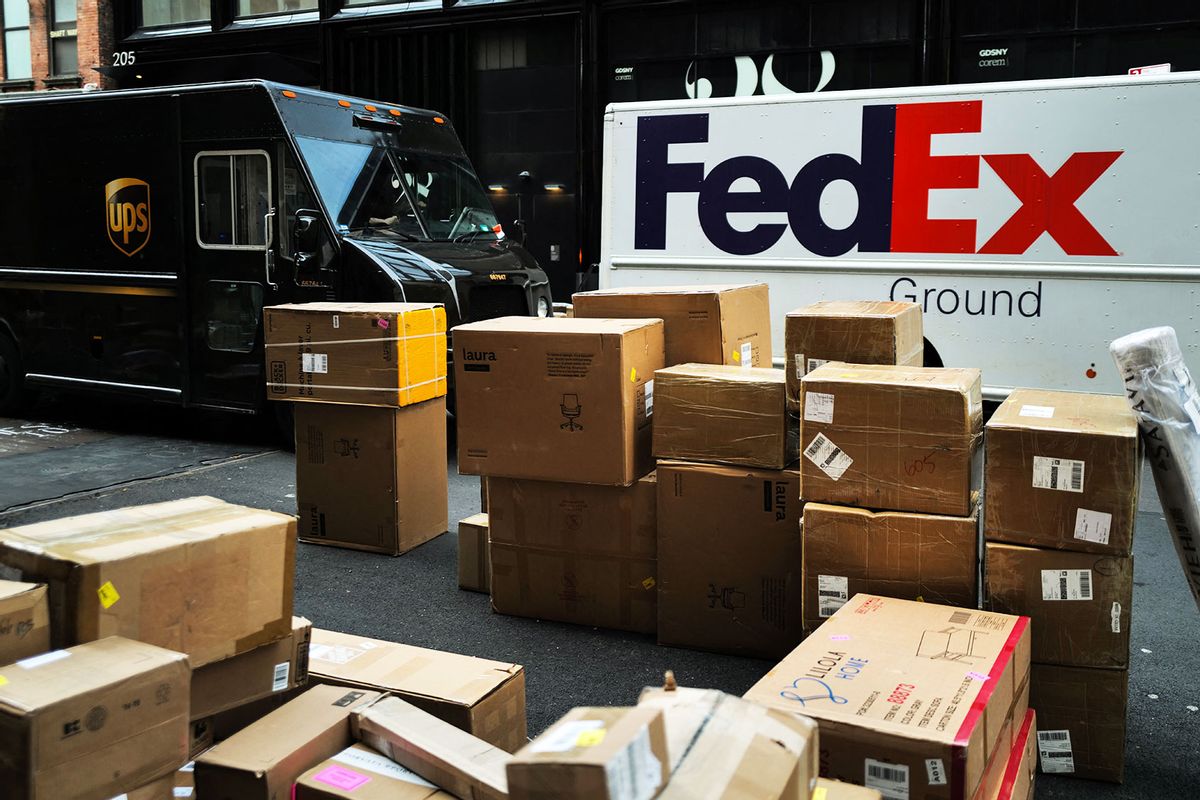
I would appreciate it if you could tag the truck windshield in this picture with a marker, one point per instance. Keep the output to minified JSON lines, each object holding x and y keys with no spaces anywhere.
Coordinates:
{"x":412,"y":195}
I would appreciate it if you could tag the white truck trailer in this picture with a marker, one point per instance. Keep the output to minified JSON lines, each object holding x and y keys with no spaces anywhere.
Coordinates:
{"x":1034,"y":222}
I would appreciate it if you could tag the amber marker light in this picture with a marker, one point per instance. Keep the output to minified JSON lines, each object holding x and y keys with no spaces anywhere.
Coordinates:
{"x":289,"y":93}
{"x":344,"y":103}
{"x":395,"y":112}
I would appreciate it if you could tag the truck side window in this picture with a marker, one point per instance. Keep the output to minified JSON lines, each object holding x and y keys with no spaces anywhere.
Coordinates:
{"x":233,"y":197}
{"x":296,"y":195}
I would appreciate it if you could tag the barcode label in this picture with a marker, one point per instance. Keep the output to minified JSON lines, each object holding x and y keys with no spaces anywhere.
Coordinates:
{"x":890,"y":780}
{"x":649,"y":398}
{"x":314,"y":362}
{"x":960,"y":618}
{"x":280,"y":680}
{"x":828,"y":457}
{"x":799,"y":366}
{"x":747,"y":355}
{"x":1054,"y":747}
{"x":1116,"y":617}
{"x":1066,"y":584}
{"x":813,"y":363}
{"x":1062,"y":474}
{"x":832,"y":593}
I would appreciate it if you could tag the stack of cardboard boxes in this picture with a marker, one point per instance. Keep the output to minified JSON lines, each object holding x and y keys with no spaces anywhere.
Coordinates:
{"x":1062,"y":483}
{"x":369,"y":385}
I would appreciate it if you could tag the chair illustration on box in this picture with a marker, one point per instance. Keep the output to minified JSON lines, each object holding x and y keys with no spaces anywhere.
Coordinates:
{"x":571,"y":409}
{"x":949,"y":644}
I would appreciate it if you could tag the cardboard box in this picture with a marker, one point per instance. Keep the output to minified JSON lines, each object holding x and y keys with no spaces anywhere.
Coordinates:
{"x":726,"y":324}
{"x":851,"y":331}
{"x":24,"y":621}
{"x":161,"y":789}
{"x":199,"y":576}
{"x":372,"y":478}
{"x":724,"y":747}
{"x":1020,"y":768}
{"x":460,"y":763}
{"x":262,"y":672}
{"x":1063,"y":471}
{"x":262,"y":761}
{"x":1080,"y":603}
{"x":603,"y":753}
{"x":485,"y":698}
{"x":729,"y":558}
{"x":474,"y":566}
{"x":729,"y":415}
{"x":1081,"y":716}
{"x":911,"y":698}
{"x":556,"y":399}
{"x":891,"y":553}
{"x":892,"y":438}
{"x":370,"y":354}
{"x":575,"y":552}
{"x":837,"y":790}
{"x":92,"y":721}
{"x":360,"y":773}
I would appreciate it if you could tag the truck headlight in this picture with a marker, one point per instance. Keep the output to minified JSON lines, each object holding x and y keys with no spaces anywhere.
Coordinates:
{"x":543,"y":307}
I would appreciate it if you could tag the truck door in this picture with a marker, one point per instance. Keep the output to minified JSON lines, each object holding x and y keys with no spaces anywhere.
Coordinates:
{"x":232,"y":248}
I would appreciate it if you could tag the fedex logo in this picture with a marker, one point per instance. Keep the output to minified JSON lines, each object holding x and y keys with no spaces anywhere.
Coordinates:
{"x":892,"y":178}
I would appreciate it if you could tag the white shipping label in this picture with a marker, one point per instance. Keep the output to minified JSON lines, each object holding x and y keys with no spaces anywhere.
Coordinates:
{"x":1054,"y":747}
{"x":635,"y":773}
{"x":565,"y":736}
{"x":649,"y":398}
{"x":1092,"y":526}
{"x":314,"y":362}
{"x":1057,"y":473}
{"x":813,"y":363}
{"x":337,"y":323}
{"x":380,"y":765}
{"x":333,"y":653}
{"x":936,"y":770}
{"x":184,"y":791}
{"x":747,"y":355}
{"x":832,"y":593}
{"x":1045,"y":412}
{"x":799,"y":366}
{"x":1066,"y":584}
{"x":279,"y":681}
{"x":818,"y":407}
{"x":828,"y":457}
{"x":890,"y":780}
{"x":1116,"y":617}
{"x":44,"y":658}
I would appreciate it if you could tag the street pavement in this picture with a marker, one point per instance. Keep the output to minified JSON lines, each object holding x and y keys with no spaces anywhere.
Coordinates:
{"x":70,"y":455}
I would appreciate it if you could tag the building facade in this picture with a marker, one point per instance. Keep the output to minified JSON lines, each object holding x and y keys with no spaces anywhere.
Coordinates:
{"x":54,"y":44}
{"x":526,"y":82}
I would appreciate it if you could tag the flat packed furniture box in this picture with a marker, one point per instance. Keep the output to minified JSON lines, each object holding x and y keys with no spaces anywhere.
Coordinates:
{"x":373,"y":354}
{"x":722,"y":324}
{"x":910,"y":698}
{"x":1063,"y":472}
{"x":92,"y":721}
{"x":584,"y":390}
{"x":853,"y":331}
{"x":360,"y":773}
{"x":200,"y":576}
{"x":892,"y":438}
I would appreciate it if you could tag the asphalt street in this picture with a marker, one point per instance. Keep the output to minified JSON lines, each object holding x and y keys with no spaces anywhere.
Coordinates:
{"x":73,"y":456}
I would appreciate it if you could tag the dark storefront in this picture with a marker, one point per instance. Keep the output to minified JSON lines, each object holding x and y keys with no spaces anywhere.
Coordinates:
{"x":526,"y":82}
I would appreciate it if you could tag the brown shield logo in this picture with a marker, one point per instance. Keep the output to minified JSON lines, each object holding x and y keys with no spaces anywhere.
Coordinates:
{"x":127,"y":203}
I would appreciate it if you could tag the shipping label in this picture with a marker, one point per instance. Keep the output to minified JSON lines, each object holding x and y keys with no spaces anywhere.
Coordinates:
{"x":828,"y":457}
{"x":1066,"y":584}
{"x":1062,"y":474}
{"x":799,"y":366}
{"x":832,"y":593}
{"x":1043,"y":412}
{"x":890,"y":780}
{"x":1092,"y":526}
{"x":818,"y":407}
{"x":314,"y":362}
{"x":1054,"y":748}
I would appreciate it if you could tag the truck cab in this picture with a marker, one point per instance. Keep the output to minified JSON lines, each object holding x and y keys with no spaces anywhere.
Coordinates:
{"x":143,"y":267}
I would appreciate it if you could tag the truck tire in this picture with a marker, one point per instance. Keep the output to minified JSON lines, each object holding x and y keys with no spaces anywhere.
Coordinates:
{"x":13,"y":394}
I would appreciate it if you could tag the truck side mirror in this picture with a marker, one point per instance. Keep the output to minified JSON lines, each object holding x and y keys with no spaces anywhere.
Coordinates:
{"x":306,"y":237}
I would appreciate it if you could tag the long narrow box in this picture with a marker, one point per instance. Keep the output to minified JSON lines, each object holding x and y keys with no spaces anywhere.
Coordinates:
{"x":360,"y":773}
{"x":262,"y":672}
{"x":1081,"y":719}
{"x":729,"y":558}
{"x":575,"y":552}
{"x":724,"y":414}
{"x":372,"y":478}
{"x":558,"y":398}
{"x":24,"y":621}
{"x":892,"y":553}
{"x":92,"y":721}
{"x":485,"y":698}
{"x":373,"y":354}
{"x":474,"y":563}
{"x":853,"y":331}
{"x":892,"y":438}
{"x":1063,"y":471}
{"x":911,"y":698}
{"x":200,"y":576}
{"x":1081,"y":604}
{"x":723,"y":324}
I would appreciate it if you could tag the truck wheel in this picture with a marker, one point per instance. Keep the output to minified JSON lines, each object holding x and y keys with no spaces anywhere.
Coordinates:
{"x":13,"y":394}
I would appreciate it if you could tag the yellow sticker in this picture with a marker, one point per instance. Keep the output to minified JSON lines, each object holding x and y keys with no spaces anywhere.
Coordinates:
{"x":649,"y":583}
{"x":108,"y":594}
{"x":3,"y":681}
{"x":737,"y":357}
{"x":633,"y":375}
{"x":590,"y":738}
{"x":920,"y":598}
{"x":819,"y":793}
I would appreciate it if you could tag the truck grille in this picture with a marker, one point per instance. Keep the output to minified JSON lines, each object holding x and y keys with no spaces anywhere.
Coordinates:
{"x":488,"y":302}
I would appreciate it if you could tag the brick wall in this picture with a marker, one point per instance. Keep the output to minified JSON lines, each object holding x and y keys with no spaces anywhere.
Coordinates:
{"x":94,"y":40}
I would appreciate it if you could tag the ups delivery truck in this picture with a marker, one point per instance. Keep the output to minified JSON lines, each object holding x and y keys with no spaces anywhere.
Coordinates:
{"x":145,"y":230}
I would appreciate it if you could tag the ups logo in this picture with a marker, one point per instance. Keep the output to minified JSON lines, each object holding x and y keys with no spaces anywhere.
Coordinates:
{"x":128,"y":205}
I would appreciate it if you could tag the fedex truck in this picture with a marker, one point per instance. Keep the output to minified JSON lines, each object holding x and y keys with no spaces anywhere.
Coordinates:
{"x":1034,"y":222}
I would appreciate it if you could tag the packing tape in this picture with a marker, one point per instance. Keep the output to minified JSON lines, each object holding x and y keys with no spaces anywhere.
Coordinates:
{"x":435,"y":334}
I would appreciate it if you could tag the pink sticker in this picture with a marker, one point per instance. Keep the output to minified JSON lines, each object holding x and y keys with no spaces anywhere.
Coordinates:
{"x":383,"y":323}
{"x":979,"y":676}
{"x":840,"y":637}
{"x":341,"y":778}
